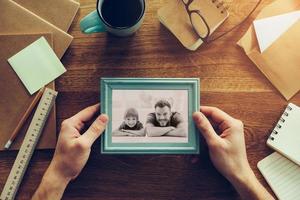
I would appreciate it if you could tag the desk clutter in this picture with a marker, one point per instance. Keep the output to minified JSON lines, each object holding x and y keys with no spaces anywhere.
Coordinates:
{"x":272,"y":44}
{"x":28,"y":25}
{"x":274,"y":50}
{"x":35,"y":38}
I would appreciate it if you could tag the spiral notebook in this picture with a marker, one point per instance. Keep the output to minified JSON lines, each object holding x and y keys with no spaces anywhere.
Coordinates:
{"x":285,"y":138}
{"x":173,"y":15}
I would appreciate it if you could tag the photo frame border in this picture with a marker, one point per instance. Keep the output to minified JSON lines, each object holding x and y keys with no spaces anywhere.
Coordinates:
{"x":107,"y":85}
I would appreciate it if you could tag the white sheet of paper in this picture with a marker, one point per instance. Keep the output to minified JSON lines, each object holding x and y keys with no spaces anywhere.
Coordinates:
{"x":269,"y":29}
{"x":37,"y":65}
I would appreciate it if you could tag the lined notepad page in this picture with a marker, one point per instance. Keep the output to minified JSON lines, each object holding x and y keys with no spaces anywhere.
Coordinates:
{"x":282,"y":175}
{"x":285,"y":138}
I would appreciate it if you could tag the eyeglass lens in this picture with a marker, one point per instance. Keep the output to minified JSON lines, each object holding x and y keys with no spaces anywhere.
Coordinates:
{"x":199,"y":24}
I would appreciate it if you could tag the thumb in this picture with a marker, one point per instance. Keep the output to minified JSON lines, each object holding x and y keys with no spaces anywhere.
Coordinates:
{"x":95,"y":130}
{"x":205,"y":127}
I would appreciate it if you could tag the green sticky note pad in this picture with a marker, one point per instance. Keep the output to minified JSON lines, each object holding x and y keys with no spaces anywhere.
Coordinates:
{"x":37,"y":65}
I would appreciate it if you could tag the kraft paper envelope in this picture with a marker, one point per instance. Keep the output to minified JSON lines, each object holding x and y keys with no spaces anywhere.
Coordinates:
{"x":277,"y":25}
{"x":15,"y":20}
{"x":14,"y":97}
{"x":58,"y":12}
{"x":280,"y":62}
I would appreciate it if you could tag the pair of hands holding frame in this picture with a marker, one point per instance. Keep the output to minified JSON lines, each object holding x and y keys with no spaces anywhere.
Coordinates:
{"x":226,"y":148}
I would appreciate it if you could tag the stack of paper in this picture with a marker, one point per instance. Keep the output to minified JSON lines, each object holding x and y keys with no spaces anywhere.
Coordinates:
{"x":33,"y":37}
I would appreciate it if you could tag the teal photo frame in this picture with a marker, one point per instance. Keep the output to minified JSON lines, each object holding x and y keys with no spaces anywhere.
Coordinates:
{"x":147,"y":88}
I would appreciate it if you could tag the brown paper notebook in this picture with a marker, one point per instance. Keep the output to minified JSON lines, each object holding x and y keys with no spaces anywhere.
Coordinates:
{"x":17,"y":20}
{"x":14,"y":97}
{"x":58,"y":12}
{"x":280,"y":62}
{"x":174,"y":16}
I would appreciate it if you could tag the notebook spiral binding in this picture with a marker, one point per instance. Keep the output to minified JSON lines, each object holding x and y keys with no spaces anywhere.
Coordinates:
{"x":280,"y":122}
{"x":220,"y":4}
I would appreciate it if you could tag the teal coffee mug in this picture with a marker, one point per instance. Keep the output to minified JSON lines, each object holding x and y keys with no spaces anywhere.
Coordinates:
{"x":119,"y":17}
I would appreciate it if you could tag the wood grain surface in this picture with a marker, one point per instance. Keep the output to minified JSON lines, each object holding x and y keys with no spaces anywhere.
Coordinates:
{"x":229,"y":80}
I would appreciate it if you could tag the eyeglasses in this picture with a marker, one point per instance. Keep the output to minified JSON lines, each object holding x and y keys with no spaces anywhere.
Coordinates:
{"x":197,"y":20}
{"x":201,"y":26}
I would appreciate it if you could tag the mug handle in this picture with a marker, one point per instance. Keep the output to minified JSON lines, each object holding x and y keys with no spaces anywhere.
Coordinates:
{"x":92,"y":23}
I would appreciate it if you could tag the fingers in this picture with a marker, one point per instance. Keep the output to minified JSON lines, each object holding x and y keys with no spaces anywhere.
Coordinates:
{"x":218,"y":116}
{"x":95,"y":130}
{"x":205,"y":128}
{"x":86,"y":114}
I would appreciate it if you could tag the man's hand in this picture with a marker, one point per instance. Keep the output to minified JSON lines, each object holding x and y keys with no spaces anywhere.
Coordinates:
{"x":228,"y":152}
{"x":71,"y":153}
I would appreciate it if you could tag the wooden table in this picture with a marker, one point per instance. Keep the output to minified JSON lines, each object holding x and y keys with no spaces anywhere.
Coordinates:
{"x":229,"y":80}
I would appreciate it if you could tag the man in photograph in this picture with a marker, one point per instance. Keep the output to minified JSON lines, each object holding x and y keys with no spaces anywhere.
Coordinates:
{"x":164,"y":122}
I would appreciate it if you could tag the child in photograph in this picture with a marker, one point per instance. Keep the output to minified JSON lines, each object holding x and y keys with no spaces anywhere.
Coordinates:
{"x":131,"y":125}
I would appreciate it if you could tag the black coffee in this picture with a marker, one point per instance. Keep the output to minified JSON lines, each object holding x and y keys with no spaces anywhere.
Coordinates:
{"x":122,"y":13}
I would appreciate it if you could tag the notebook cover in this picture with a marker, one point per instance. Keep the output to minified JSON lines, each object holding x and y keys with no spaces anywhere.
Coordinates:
{"x":53,"y":11}
{"x":174,"y":16}
{"x":280,"y":62}
{"x":15,"y":20}
{"x":14,"y":97}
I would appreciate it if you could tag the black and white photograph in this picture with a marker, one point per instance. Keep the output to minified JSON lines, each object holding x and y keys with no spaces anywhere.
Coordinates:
{"x":149,"y":116}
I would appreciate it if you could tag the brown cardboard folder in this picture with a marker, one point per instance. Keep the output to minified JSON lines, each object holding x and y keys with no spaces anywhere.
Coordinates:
{"x":58,"y":12}
{"x":14,"y":97}
{"x":15,"y":19}
{"x":280,"y":63}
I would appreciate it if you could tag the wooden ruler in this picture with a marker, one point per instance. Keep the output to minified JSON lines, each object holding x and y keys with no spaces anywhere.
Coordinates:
{"x":27,"y":148}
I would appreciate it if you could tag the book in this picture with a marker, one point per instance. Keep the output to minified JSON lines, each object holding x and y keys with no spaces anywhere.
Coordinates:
{"x":15,"y":99}
{"x":282,"y":175}
{"x":175,"y":17}
{"x":16,"y":19}
{"x":285,"y":138}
